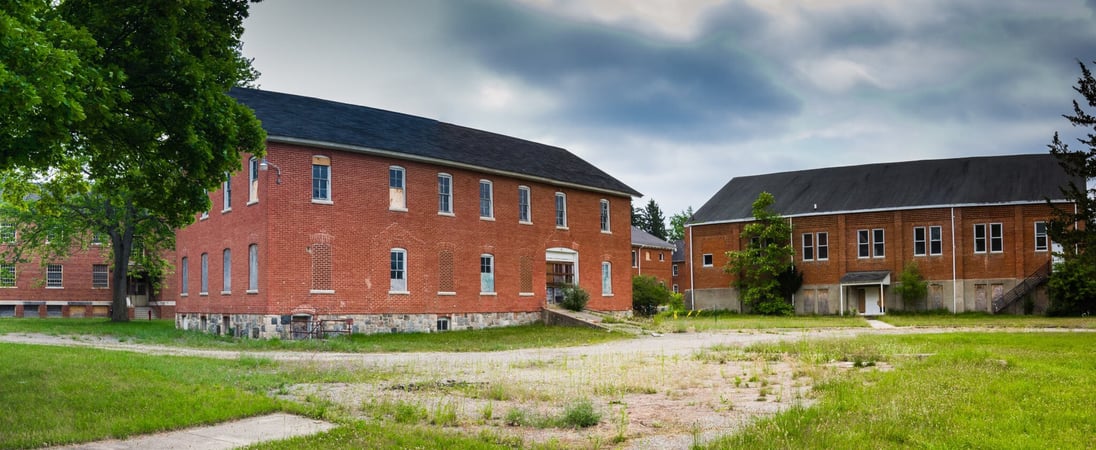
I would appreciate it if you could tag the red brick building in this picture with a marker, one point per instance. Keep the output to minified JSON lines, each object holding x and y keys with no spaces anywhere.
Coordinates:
{"x":377,"y":221}
{"x":976,"y":227}
{"x":651,"y":256}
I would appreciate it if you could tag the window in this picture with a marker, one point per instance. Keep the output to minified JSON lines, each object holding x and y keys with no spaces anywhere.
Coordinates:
{"x":445,"y":193}
{"x":227,"y":271}
{"x":808,"y":247}
{"x":323,"y":264}
{"x":878,"y":243}
{"x":99,"y":278}
{"x":635,"y":258}
{"x":205,"y":274}
{"x":398,"y":271}
{"x":487,"y":274}
{"x":7,"y":233}
{"x":397,"y":189}
{"x":823,"y":246}
{"x":675,"y":270}
{"x":561,"y":210}
{"x":1041,"y":236}
{"x":606,"y":278}
{"x":443,"y":324}
{"x":524,"y":215}
{"x":675,"y":289}
{"x":996,"y":238}
{"x":7,"y":275}
{"x":96,"y":238}
{"x":863,"y":244}
{"x":253,"y":268}
{"x":936,"y":241}
{"x":979,"y":238}
{"x":321,"y":178}
{"x":661,"y":256}
{"x":487,"y":207}
{"x":183,"y":272}
{"x":919,"y":241}
{"x":526,"y":267}
{"x":253,"y":180}
{"x":54,"y":276}
{"x":446,"y":284}
{"x":707,"y":260}
{"x":604,"y":216}
{"x":228,"y":192}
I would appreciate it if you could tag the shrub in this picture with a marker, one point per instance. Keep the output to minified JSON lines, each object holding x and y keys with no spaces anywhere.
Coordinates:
{"x":648,"y":294}
{"x":580,"y":414}
{"x":911,"y":286}
{"x":574,"y":298}
{"x":1072,"y":289}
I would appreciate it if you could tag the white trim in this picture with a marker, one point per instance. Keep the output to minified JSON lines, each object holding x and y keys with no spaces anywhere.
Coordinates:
{"x":441,"y":162}
{"x":399,"y":292}
{"x":251,"y":291}
{"x":526,"y":294}
{"x":226,"y":292}
{"x":489,"y":294}
{"x":321,"y":291}
{"x":446,"y":293}
{"x":322,"y":202}
{"x":859,"y":211}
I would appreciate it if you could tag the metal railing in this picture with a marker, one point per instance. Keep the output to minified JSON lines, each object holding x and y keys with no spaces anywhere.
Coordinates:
{"x":1020,"y":290}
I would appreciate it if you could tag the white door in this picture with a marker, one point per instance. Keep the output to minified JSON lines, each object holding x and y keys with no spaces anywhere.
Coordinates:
{"x":871,"y":302}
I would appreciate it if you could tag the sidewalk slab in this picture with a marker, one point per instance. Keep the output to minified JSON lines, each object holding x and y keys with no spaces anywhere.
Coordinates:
{"x":878,"y":324}
{"x":216,"y":437}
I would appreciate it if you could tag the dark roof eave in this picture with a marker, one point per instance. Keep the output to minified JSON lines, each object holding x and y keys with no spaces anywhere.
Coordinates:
{"x":443,"y":162}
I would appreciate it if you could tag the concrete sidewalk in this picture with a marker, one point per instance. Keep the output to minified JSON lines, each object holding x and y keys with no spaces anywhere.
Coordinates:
{"x":221,"y":436}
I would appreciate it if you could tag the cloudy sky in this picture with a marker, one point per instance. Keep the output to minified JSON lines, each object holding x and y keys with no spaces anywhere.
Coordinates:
{"x":674,"y":98}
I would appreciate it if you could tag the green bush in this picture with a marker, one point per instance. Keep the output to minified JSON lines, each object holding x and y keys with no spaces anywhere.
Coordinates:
{"x":647,"y":294}
{"x":574,"y":298}
{"x":911,"y":286}
{"x":1072,"y":289}
{"x":580,"y":414}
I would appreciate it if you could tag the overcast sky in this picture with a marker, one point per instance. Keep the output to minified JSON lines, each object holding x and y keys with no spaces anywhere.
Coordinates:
{"x":675,"y":98}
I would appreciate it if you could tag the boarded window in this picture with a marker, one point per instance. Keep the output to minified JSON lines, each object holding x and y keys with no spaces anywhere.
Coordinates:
{"x":526,"y":263}
{"x":445,"y":272}
{"x":397,"y":188}
{"x":322,"y":265}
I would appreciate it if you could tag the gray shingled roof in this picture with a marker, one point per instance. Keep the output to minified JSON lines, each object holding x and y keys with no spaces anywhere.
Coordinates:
{"x":645,"y":239}
{"x":679,"y":252}
{"x":941,"y":182}
{"x":293,"y":117}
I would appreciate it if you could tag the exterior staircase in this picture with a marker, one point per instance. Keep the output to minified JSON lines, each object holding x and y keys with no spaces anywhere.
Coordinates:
{"x":555,"y":315}
{"x":1040,"y":276}
{"x":144,"y":313}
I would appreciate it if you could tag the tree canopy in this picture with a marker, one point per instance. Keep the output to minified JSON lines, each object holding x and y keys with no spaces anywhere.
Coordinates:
{"x":160,"y":132}
{"x":763,"y":267}
{"x":677,"y":224}
{"x":650,"y":219}
{"x":1072,"y":286}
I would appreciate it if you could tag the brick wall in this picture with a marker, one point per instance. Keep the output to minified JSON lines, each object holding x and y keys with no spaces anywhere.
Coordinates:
{"x":654,"y":262}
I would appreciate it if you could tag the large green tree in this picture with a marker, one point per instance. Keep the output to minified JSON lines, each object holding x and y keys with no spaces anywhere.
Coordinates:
{"x":765,"y":261}
{"x":163,"y":132}
{"x":1071,"y":284}
{"x":677,"y":224}
{"x":654,"y":220}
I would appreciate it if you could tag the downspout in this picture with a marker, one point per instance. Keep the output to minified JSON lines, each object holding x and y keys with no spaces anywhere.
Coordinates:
{"x":692,"y":263}
{"x":954,"y":279}
{"x":791,"y":239}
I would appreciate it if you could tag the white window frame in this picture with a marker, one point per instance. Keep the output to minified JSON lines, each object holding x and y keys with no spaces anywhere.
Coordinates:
{"x":822,"y":246}
{"x":252,"y":180}
{"x":205,"y":275}
{"x":675,"y":289}
{"x":445,"y":194}
{"x":1041,"y":236}
{"x":525,"y":202}
{"x":924,"y":241}
{"x":226,"y":271}
{"x":936,"y":236}
{"x":55,"y":276}
{"x":253,"y":268}
{"x":984,"y":240}
{"x":605,"y":217}
{"x":561,"y":210}
{"x":105,"y":273}
{"x":322,"y":196}
{"x":397,"y":188}
{"x":486,"y":200}
{"x":635,"y":258}
{"x":661,"y":256}
{"x":863,"y":243}
{"x":397,"y":271}
{"x":676,"y":270}
{"x":226,"y":188}
{"x":184,"y":274}
{"x":487,"y":274}
{"x":996,"y":240}
{"x":808,"y":246}
{"x":606,"y":279}
{"x":707,"y":260}
{"x":7,"y":271}
{"x":878,"y":243}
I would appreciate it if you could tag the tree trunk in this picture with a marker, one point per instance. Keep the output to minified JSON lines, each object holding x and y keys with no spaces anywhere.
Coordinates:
{"x":121,"y":239}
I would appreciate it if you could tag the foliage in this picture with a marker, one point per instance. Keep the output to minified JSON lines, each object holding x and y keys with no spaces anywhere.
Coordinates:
{"x":947,"y":319}
{"x":580,"y":414}
{"x":768,"y":253}
{"x":677,"y":224}
{"x":1076,"y":241}
{"x":1072,"y":288}
{"x":911,"y":285}
{"x":152,"y":138}
{"x":648,"y":294}
{"x":574,"y":298}
{"x":650,"y":219}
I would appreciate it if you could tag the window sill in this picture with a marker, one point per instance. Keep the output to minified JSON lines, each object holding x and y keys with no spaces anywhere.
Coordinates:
{"x":251,"y":202}
{"x":606,"y":295}
{"x":446,"y":214}
{"x":226,"y":210}
{"x":709,"y":265}
{"x":446,"y":294}
{"x":184,"y":294}
{"x":525,"y":294}
{"x":488,"y":219}
{"x":606,"y":232}
{"x":203,"y":294}
{"x":489,"y":294}
{"x":204,"y":217}
{"x":322,"y":202}
{"x":100,"y":287}
{"x":399,"y":293}
{"x":562,"y":228}
{"x":321,"y":291}
{"x":525,"y":222}
{"x":252,"y":291}
{"x":55,"y":287}
{"x":397,"y":209}
{"x":226,"y":292}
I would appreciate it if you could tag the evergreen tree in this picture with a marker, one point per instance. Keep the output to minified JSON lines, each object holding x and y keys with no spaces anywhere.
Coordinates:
{"x":655,"y":221}
{"x":763,"y":270}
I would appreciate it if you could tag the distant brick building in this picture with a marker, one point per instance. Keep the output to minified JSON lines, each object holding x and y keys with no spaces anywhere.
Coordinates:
{"x":373,"y":221}
{"x":976,"y":227}
{"x":651,"y":256}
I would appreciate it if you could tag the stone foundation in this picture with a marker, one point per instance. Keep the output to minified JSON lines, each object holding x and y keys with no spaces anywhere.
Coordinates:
{"x":265,"y":326}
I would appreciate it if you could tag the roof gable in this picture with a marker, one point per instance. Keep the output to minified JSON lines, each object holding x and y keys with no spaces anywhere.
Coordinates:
{"x":898,"y":185}
{"x":642,"y":238}
{"x":294,"y":117}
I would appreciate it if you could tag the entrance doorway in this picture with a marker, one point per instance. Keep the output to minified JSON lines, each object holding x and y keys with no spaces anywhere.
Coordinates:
{"x":562,"y":270}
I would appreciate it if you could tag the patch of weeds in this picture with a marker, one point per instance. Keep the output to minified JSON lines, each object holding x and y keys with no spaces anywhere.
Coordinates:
{"x":445,"y":414}
{"x":621,"y":425}
{"x":399,"y":411}
{"x":517,"y":417}
{"x":494,"y":391}
{"x":488,"y":411}
{"x":580,"y":414}
{"x":506,"y":440}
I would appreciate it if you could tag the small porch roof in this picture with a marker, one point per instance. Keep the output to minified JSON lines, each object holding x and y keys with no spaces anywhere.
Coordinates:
{"x":870,"y":277}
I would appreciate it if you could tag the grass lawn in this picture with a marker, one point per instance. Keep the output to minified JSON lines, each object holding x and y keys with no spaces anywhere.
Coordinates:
{"x":722,"y":320}
{"x":387,"y":435}
{"x":985,"y":320}
{"x":164,"y":332}
{"x":974,"y":390}
{"x":54,"y":395}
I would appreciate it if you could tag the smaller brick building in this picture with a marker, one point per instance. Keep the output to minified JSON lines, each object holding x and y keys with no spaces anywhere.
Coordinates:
{"x":651,"y":256}
{"x":363,"y":220}
{"x":976,"y":227}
